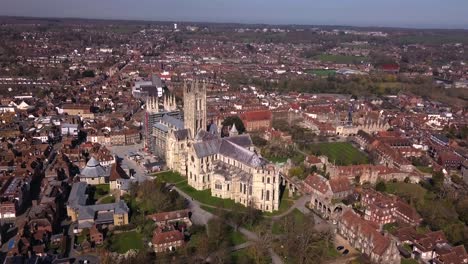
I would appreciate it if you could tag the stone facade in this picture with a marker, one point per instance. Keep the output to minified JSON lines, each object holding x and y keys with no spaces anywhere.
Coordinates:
{"x":228,"y":166}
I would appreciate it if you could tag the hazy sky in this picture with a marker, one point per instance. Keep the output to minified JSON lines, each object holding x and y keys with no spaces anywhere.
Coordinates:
{"x":402,"y":13}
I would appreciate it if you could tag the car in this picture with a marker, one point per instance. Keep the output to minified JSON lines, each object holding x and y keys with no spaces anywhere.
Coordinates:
{"x":345,"y":252}
{"x":339,"y":248}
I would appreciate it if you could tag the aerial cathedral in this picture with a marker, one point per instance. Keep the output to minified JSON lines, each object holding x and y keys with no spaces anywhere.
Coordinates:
{"x":228,"y":166}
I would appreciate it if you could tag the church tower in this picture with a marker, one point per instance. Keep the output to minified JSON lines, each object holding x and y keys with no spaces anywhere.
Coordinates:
{"x":195,"y":107}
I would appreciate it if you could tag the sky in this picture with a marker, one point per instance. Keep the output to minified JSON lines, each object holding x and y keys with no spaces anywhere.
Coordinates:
{"x":390,"y":13}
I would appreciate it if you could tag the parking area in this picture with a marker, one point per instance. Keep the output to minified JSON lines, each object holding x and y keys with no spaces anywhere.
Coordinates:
{"x":340,"y":241}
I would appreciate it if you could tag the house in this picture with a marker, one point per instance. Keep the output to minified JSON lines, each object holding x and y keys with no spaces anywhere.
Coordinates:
{"x":7,"y":210}
{"x":69,"y":129}
{"x":464,"y":170}
{"x":118,"y":179}
{"x":84,"y":111}
{"x":450,"y":160}
{"x":312,"y":160}
{"x":383,"y":209}
{"x":424,"y":248}
{"x":89,"y":215}
{"x":164,"y":241}
{"x":365,"y":236}
{"x":453,"y":255}
{"x":326,"y":195}
{"x":165,"y":218}
{"x":258,"y":120}
{"x":95,"y":236}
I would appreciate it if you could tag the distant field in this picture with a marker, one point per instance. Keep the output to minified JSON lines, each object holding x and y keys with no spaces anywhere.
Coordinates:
{"x":340,"y":58}
{"x":321,"y":72}
{"x":340,"y":153}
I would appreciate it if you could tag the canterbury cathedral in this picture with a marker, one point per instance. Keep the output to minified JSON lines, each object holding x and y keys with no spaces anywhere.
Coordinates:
{"x":229,"y":166}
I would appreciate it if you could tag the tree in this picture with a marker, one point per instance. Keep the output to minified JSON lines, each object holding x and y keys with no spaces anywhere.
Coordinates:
{"x":381,"y":186}
{"x":88,"y":74}
{"x":230,"y":120}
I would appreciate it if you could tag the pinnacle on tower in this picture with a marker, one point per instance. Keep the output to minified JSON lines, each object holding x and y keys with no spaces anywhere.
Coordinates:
{"x":233,"y":131}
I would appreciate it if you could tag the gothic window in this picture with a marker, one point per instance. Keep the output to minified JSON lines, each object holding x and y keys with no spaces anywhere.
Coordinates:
{"x":273,"y":195}
{"x":193,"y":159}
{"x":268,"y":196}
{"x":250,"y":190}
{"x":218,"y":186}
{"x":262,"y":195}
{"x":268,"y":180}
{"x":228,"y":187}
{"x":240,"y":187}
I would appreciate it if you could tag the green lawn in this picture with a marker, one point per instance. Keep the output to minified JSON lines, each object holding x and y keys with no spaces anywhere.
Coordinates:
{"x":101,"y":190}
{"x":236,"y":238}
{"x":406,"y":190}
{"x":278,"y":159}
{"x":107,"y":199}
{"x":299,"y":218}
{"x":82,"y":236}
{"x":123,"y":242}
{"x":346,"y":59}
{"x":341,"y":153}
{"x":424,"y":169}
{"x":242,"y":256}
{"x":408,"y":261}
{"x":170,"y":176}
{"x":206,"y":198}
{"x":391,"y":227}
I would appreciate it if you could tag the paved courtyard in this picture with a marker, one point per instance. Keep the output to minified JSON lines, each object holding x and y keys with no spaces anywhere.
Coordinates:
{"x":123,"y":152}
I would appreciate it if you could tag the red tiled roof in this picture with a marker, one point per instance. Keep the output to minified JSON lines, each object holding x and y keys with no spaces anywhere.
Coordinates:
{"x":256,"y":115}
{"x":167,"y":237}
{"x":168,"y":216}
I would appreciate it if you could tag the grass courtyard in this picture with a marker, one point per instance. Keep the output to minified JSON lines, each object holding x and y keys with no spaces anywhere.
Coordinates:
{"x":101,"y":190}
{"x":123,"y":242}
{"x":410,"y":191}
{"x":340,"y":153}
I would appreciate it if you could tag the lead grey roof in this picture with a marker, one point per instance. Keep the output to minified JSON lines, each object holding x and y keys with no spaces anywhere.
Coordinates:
{"x":233,"y":147}
{"x":77,"y":195}
{"x":241,"y":140}
{"x":161,"y":127}
{"x":172,"y":121}
{"x":93,"y":169}
{"x":204,"y":136}
{"x":239,"y":153}
{"x":207,"y":148}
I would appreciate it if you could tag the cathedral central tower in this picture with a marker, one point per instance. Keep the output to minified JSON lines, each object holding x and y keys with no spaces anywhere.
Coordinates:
{"x":195,"y":107}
